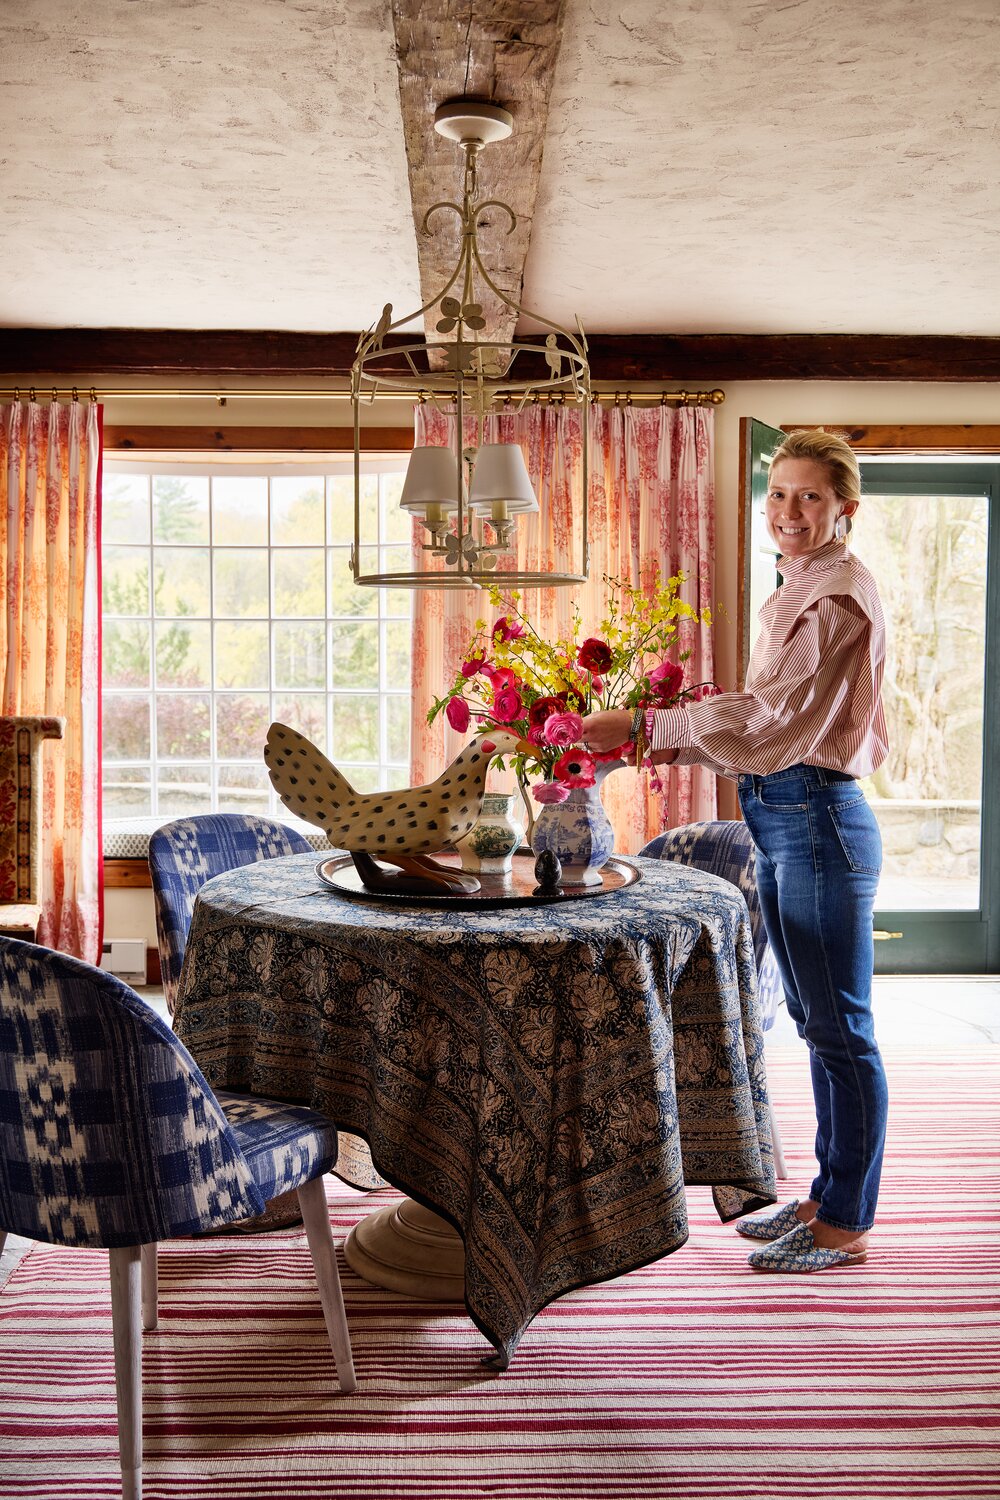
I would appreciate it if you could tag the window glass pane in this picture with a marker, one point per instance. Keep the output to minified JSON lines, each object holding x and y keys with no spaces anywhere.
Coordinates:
{"x":397,"y":713}
{"x":299,"y":656}
{"x":397,"y":525}
{"x":126,"y":792}
{"x":125,"y":580}
{"x":180,"y":508}
{"x":125,"y":646}
{"x":298,"y":582}
{"x":241,"y":654}
{"x":125,"y":730}
{"x":180,"y":581}
{"x":296,"y":511}
{"x":354,"y":655}
{"x":182,"y":790}
{"x":184,"y":654}
{"x":341,"y":492}
{"x":241,"y":581}
{"x":241,"y":721}
{"x":355,"y":727}
{"x":396,"y":559}
{"x":398,"y":602}
{"x":396,"y":777}
{"x":396,"y":657}
{"x":239,"y":510}
{"x":306,"y":712}
{"x":245,"y":789}
{"x":346,"y":596}
{"x":364,"y":778}
{"x":125,"y":508}
{"x":183,"y":726}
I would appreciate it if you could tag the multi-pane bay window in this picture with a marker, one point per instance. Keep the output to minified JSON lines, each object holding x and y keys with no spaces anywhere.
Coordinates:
{"x":229,"y":602}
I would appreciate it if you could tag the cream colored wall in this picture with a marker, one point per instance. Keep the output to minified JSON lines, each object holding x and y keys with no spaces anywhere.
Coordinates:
{"x":775,"y":402}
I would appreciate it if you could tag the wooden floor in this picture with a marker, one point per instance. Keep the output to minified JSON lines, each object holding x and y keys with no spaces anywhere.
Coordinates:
{"x":935,"y":1011}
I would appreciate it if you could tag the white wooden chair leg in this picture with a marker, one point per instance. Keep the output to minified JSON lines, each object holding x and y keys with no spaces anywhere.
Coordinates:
{"x":125,"y":1319}
{"x":312,"y":1201}
{"x":780,"y":1170}
{"x":150,"y":1287}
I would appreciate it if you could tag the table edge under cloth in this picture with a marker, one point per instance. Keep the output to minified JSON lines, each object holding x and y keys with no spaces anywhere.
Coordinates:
{"x":226,"y":965}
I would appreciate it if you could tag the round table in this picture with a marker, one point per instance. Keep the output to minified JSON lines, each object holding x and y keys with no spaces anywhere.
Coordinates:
{"x":547,"y":1078}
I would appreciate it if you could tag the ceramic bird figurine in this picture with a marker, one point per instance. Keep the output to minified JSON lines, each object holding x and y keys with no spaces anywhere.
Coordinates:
{"x":399,"y":827}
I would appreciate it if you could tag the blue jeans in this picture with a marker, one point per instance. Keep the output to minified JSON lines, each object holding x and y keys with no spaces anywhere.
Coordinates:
{"x":819,"y":853}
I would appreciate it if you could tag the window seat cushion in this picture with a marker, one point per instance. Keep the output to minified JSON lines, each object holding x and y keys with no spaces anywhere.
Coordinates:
{"x":128,"y":838}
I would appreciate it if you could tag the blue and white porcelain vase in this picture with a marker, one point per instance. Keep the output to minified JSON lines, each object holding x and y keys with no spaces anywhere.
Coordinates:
{"x":578,"y":831}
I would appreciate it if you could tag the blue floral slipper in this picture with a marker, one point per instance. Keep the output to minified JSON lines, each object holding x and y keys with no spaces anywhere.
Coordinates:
{"x":797,"y":1252}
{"x":773,"y":1226}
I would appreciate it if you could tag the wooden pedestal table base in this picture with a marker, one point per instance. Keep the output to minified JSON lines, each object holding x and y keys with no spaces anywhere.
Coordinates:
{"x":409,"y":1249}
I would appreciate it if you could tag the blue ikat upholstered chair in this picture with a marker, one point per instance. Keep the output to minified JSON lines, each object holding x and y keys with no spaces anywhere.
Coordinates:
{"x":726,"y":849}
{"x":111,"y":1138}
{"x":184,"y":854}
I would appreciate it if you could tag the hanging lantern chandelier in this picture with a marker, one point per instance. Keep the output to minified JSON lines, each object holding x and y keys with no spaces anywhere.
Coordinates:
{"x":470,"y":498}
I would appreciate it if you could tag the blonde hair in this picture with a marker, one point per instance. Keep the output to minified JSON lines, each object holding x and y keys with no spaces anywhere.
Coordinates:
{"x":830,"y":449}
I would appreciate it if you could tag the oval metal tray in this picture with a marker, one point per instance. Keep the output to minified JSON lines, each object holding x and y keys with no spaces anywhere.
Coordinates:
{"x":515,"y":889}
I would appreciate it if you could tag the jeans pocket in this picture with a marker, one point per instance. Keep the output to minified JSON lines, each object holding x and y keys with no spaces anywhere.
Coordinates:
{"x":859,"y":836}
{"x":789,"y":795}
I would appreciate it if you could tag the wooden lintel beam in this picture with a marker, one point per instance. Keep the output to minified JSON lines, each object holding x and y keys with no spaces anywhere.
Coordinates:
{"x":693,"y":359}
{"x":506,"y":55}
{"x":187,"y":439}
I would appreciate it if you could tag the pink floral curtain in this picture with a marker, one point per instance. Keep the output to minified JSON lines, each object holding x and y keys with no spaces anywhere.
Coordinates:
{"x":652,"y":508}
{"x":50,"y":656}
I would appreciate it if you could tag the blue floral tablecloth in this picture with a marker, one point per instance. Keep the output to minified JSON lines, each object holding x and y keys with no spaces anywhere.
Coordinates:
{"x":547,"y":1077}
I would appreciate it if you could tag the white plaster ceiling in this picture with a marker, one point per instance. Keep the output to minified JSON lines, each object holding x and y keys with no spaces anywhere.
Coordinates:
{"x":710,"y":166}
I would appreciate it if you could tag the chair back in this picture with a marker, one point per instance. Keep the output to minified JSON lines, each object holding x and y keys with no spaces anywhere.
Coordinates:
{"x":727,"y":850}
{"x":21,"y":740}
{"x":109,"y":1134}
{"x":184,"y":854}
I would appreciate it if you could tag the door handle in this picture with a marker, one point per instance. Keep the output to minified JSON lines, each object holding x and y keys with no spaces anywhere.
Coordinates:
{"x":883,"y":937}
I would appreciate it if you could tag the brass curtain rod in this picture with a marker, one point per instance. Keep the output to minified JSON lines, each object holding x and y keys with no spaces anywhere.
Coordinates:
{"x":221,"y":395}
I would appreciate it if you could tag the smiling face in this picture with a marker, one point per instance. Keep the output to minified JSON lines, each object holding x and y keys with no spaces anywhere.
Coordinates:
{"x":802,"y":505}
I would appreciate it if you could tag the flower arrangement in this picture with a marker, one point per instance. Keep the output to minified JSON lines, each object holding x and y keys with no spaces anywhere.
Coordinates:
{"x":511,"y":677}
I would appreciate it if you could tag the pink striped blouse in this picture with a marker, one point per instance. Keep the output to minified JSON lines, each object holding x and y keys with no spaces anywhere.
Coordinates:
{"x":813,"y":685}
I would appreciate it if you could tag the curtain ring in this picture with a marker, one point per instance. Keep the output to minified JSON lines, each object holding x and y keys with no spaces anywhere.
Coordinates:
{"x":93,"y":395}
{"x":31,"y":393}
{"x":75,"y":397}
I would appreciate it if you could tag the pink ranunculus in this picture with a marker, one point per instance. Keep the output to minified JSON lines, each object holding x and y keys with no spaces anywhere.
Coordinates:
{"x":550,"y":791}
{"x":507,"y":705}
{"x":457,"y":714}
{"x":597,"y":686}
{"x":563,"y":729}
{"x":666,"y":679}
{"x":575,"y":768}
{"x":507,"y":629}
{"x":595,"y":655}
{"x":473,"y":665}
{"x":536,"y":734}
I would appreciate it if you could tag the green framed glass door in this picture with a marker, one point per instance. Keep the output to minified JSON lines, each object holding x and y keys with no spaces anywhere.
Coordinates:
{"x":930,"y":532}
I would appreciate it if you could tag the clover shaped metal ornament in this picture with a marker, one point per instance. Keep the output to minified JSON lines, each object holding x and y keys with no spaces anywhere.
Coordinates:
{"x":471,"y":314}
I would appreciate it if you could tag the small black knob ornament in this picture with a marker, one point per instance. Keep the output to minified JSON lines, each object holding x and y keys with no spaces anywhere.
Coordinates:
{"x":548,"y":873}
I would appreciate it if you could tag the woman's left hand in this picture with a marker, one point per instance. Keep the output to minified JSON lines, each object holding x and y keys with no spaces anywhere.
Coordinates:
{"x":606,"y":730}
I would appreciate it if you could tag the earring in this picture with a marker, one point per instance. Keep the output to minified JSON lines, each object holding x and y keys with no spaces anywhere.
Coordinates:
{"x":843,"y":528}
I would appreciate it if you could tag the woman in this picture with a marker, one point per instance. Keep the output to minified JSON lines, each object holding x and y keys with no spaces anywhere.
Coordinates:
{"x":808,"y":722}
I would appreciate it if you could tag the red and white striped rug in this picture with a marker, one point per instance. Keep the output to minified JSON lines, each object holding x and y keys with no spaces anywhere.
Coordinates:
{"x":690,"y":1378}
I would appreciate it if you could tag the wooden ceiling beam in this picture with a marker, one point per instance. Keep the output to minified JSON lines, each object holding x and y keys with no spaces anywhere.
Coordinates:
{"x":658,"y":359}
{"x":504,"y":52}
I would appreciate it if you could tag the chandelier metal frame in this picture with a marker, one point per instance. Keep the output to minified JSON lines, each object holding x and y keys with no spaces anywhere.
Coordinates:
{"x":471,"y":373}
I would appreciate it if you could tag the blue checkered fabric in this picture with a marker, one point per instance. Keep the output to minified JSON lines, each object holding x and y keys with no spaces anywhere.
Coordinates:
{"x":184,"y":854}
{"x":109,"y":1134}
{"x":726,"y":849}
